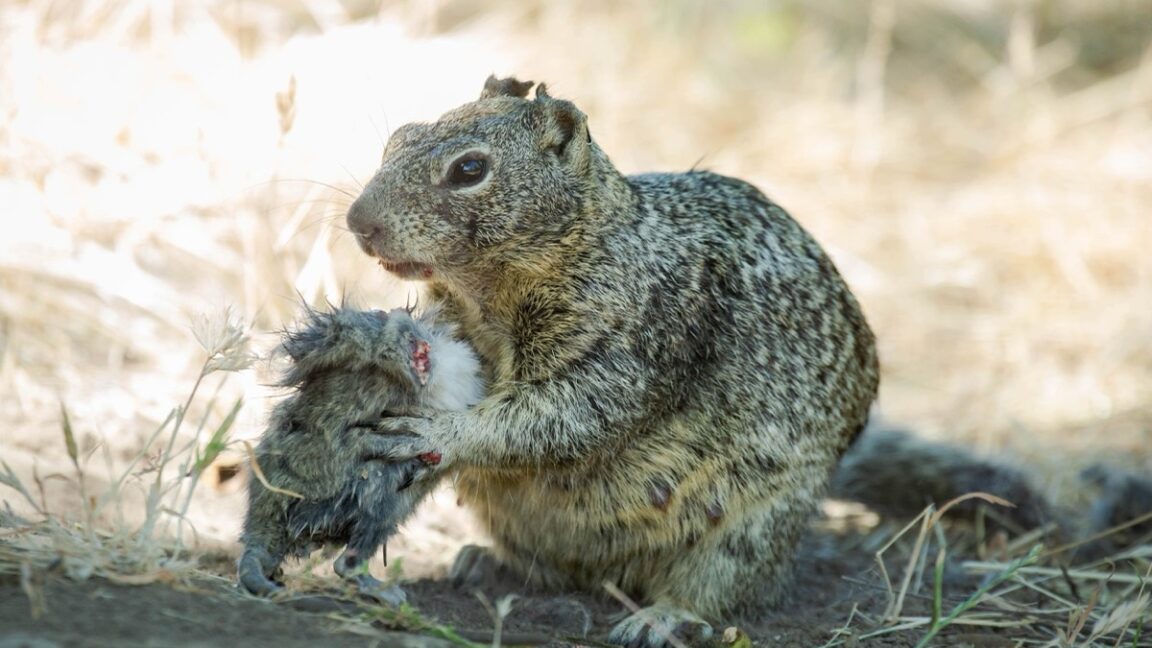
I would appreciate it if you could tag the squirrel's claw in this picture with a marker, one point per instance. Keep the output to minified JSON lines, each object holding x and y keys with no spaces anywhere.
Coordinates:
{"x":411,"y":412}
{"x":400,"y":438}
{"x":659,"y":626}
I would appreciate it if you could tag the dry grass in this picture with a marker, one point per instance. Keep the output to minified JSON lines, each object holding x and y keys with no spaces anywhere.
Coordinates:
{"x":981,"y":172}
{"x":1028,"y":593}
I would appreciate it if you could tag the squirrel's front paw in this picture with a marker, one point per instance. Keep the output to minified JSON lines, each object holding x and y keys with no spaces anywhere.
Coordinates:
{"x":398,"y":447}
{"x":410,"y":412}
{"x":397,"y":438}
{"x":421,"y":426}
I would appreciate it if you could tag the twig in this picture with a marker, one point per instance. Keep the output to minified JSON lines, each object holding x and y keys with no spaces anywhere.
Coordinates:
{"x":260,"y":474}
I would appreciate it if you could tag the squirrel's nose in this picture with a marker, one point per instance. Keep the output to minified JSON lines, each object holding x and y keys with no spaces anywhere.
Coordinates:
{"x":361,"y":220}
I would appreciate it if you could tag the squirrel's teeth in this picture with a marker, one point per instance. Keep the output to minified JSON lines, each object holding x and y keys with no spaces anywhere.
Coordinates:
{"x":408,"y":269}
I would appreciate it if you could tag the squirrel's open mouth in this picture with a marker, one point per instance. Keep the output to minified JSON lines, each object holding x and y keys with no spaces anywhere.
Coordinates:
{"x":408,"y":269}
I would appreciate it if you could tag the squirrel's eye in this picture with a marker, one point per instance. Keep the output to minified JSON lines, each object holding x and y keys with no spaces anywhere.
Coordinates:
{"x":467,"y":171}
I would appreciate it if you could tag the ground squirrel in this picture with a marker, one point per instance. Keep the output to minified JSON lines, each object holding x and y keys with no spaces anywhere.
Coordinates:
{"x":675,"y":365}
{"x":348,"y":368}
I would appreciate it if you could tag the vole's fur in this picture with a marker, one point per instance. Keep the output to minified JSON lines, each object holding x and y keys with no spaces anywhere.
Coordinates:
{"x":349,"y":368}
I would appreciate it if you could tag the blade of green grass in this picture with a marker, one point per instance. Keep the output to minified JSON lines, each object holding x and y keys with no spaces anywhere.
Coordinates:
{"x":974,"y":598}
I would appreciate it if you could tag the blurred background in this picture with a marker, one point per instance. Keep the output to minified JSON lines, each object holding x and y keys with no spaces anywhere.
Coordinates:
{"x":980,"y":170}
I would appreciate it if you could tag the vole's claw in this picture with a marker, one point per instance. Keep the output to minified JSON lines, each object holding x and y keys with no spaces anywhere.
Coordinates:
{"x":259,"y":585}
{"x":253,"y":569}
{"x":351,"y":567}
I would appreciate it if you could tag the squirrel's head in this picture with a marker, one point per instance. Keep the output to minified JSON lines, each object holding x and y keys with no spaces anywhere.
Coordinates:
{"x":345,"y":341}
{"x":501,"y":173}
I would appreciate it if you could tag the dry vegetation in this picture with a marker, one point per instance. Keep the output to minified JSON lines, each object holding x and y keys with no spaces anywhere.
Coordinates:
{"x":980,"y":170}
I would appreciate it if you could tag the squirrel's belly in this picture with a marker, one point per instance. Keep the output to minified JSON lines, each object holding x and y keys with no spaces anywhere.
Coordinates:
{"x":594,"y":521}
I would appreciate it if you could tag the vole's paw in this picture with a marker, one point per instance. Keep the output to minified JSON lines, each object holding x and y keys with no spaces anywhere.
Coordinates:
{"x":477,"y":567}
{"x":353,"y":569}
{"x":654,"y":626}
{"x":254,"y":580}
{"x":380,"y":592}
{"x":258,"y":584}
{"x":253,"y":571}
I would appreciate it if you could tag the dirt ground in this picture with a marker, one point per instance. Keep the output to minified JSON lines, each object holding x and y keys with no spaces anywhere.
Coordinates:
{"x":835,"y":575}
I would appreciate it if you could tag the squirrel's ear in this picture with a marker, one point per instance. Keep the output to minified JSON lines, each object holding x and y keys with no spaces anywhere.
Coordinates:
{"x":509,"y":87}
{"x":564,"y":128}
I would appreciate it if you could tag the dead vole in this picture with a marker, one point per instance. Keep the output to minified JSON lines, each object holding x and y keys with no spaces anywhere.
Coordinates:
{"x":332,"y":481}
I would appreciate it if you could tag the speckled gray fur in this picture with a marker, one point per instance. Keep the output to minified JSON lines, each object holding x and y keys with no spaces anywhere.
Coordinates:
{"x":675,"y":365}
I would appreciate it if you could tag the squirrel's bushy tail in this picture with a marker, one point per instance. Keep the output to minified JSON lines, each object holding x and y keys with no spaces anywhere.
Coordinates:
{"x":898,"y":475}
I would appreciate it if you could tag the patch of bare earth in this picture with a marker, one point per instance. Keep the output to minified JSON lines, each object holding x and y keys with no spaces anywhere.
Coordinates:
{"x":204,"y":608}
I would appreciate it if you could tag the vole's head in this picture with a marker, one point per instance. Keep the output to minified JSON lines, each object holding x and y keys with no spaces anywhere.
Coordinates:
{"x":502,"y":171}
{"x":345,"y":341}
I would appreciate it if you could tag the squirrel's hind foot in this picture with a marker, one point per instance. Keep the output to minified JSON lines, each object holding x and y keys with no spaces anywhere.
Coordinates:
{"x":657,"y":626}
{"x":478,"y":567}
